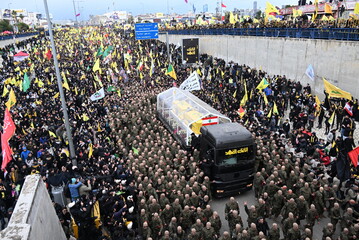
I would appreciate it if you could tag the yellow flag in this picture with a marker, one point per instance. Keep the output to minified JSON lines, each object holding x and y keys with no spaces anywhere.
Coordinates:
{"x":269,"y":114}
{"x":12,"y":99}
{"x":263,"y":84}
{"x":5,"y":91}
{"x":270,"y":9}
{"x":331,"y":119}
{"x":56,"y":95}
{"x":245,"y":97}
{"x":99,"y":127}
{"x":76,"y":91}
{"x":85,"y":118}
{"x":356,"y":8}
{"x":328,"y":8}
{"x":96,"y":67}
{"x":52,"y":134}
{"x":90,"y":150}
{"x":275,"y":109}
{"x":317,"y":103}
{"x":231,"y":18}
{"x":335,"y":92}
{"x":96,"y":213}
{"x":235,"y":94}
{"x":265,"y":98}
{"x":75,"y":228}
{"x":316,"y":10}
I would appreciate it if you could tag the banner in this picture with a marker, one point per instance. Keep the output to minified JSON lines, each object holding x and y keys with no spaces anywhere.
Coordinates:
{"x":98,"y":95}
{"x":190,"y":50}
{"x":193,"y":82}
{"x":310,"y":72}
{"x":8,"y":132}
{"x":9,"y":126}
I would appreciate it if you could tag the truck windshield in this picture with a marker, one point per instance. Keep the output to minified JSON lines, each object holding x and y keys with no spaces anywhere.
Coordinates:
{"x":235,"y":156}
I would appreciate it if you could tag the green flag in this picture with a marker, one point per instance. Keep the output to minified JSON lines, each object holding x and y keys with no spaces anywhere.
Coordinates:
{"x":107,"y":51}
{"x":26,"y":83}
{"x":111,"y":89}
{"x":99,"y":52}
{"x":135,"y":150}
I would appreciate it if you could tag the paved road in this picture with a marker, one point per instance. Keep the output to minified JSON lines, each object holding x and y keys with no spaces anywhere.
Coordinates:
{"x":3,"y":43}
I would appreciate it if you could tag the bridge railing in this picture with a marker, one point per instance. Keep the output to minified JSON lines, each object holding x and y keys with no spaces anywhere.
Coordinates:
{"x":7,"y":37}
{"x":347,"y":34}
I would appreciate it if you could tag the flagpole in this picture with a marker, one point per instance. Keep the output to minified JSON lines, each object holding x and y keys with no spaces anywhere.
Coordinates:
{"x":61,"y":90}
{"x":221,"y":9}
{"x":73,"y":1}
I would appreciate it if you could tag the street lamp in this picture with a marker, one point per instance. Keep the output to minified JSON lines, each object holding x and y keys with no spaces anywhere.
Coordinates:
{"x":61,"y":90}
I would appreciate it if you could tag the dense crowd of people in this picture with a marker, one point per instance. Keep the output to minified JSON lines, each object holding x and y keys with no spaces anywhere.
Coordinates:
{"x":250,"y":22}
{"x":130,"y":167}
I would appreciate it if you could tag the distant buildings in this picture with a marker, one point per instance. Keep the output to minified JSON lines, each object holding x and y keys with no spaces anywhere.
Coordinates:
{"x":33,"y":19}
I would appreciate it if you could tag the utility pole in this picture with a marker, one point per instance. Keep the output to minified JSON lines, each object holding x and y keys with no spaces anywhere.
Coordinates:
{"x":61,"y":90}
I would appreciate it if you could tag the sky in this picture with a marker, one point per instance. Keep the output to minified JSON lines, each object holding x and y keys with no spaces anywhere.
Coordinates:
{"x":64,"y":9}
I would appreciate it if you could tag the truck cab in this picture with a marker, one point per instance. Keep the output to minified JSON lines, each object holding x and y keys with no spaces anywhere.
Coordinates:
{"x":228,"y":150}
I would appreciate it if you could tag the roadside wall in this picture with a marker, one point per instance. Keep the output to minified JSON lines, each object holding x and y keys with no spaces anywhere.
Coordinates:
{"x":34,"y":216}
{"x":336,"y":61}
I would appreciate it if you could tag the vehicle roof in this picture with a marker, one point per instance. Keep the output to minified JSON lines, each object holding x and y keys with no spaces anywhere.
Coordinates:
{"x":227,"y":135}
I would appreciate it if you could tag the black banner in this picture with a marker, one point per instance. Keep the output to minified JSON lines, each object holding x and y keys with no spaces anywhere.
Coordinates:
{"x":190,"y":48}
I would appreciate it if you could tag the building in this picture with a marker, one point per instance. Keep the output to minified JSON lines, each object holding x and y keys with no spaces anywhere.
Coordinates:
{"x":255,"y":9}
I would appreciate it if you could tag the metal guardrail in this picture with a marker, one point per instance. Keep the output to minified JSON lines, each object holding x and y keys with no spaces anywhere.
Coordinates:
{"x":346,"y":34}
{"x":7,"y":37}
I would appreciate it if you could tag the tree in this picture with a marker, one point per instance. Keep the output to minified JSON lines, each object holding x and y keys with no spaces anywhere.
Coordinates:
{"x":258,"y":14}
{"x":5,"y":25}
{"x":21,"y":17}
{"x":130,"y":19}
{"x":22,"y":27}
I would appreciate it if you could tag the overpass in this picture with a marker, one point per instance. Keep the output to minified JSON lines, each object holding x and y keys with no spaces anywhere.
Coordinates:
{"x":335,"y":60}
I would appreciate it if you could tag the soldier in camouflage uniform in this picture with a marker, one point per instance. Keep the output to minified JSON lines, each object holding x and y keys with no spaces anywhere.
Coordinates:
{"x":233,"y":219}
{"x":186,"y":218}
{"x":278,"y":203}
{"x":294,"y":233}
{"x":231,"y":205}
{"x":252,"y":214}
{"x":258,"y":184}
{"x":312,"y":215}
{"x":156,"y":226}
{"x":328,"y":231}
{"x":302,"y":206}
{"x":208,"y":232}
{"x":274,"y":232}
{"x":243,"y":236}
{"x":288,"y":224}
{"x":216,"y":222}
{"x":146,"y":231}
{"x":226,"y":236}
{"x":335,"y":215}
{"x":194,"y":235}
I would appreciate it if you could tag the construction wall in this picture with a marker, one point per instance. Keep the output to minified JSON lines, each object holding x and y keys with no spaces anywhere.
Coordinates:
{"x":34,"y":216}
{"x":336,"y":61}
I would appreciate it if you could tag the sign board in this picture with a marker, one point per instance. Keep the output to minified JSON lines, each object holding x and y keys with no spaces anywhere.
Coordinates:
{"x":190,"y":50}
{"x":146,"y":31}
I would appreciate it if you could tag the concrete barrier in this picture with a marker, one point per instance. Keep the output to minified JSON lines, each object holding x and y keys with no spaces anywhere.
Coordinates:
{"x":34,"y":216}
{"x":336,"y":61}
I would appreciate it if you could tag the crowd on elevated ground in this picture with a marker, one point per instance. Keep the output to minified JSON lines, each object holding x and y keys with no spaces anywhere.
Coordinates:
{"x":248,"y":22}
{"x":130,"y":167}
